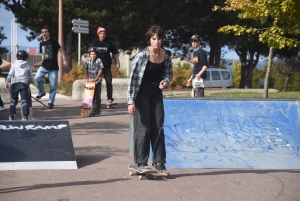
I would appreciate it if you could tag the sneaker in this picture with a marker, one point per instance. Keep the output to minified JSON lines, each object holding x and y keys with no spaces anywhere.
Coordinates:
{"x":160,"y":167}
{"x":25,"y":118}
{"x":50,"y":105}
{"x":109,"y":102}
{"x":2,"y":108}
{"x":11,"y":117}
{"x":97,"y":113}
{"x":92,"y":114}
{"x":40,"y":96}
{"x":143,"y":167}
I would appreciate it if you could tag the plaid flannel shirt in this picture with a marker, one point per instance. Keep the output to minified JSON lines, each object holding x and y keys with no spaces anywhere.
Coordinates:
{"x":138,"y":67}
{"x":93,"y":68}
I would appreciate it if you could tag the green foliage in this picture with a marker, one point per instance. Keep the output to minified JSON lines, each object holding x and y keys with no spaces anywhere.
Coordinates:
{"x":236,"y":74}
{"x":77,"y":72}
{"x":279,"y":80}
{"x":2,"y":37}
{"x":65,"y":88}
{"x":285,"y":25}
{"x":181,"y":74}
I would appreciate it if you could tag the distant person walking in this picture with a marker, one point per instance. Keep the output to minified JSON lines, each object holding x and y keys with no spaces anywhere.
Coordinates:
{"x":104,"y":47}
{"x":20,"y":74}
{"x":200,"y":65}
{"x":49,"y":48}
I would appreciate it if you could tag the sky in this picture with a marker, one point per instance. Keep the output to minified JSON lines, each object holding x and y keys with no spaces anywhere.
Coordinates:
{"x":5,"y":20}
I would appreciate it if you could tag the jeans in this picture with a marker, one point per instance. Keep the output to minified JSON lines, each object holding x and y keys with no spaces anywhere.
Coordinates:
{"x":148,"y":122}
{"x":15,"y":89}
{"x":53,"y":79}
{"x":108,"y":80}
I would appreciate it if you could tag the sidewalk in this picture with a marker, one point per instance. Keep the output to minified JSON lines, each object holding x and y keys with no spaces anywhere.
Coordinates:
{"x":102,"y":152}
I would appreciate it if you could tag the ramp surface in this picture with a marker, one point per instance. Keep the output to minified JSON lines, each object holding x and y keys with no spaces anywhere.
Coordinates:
{"x":27,"y":145}
{"x":232,"y":133}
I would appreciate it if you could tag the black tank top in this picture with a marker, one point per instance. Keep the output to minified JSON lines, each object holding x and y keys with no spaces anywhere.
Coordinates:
{"x":154,"y":71}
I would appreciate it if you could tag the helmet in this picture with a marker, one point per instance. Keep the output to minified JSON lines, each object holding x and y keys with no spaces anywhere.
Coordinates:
{"x":92,"y":49}
{"x":22,"y":55}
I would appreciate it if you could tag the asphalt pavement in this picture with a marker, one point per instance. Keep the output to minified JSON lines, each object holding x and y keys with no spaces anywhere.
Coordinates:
{"x":101,"y":147}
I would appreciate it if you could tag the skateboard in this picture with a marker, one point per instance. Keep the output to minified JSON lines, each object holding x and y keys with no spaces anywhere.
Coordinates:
{"x":45,"y":106}
{"x":198,"y":83}
{"x":111,"y":106}
{"x":142,"y":173}
{"x":198,"y":88}
{"x":87,"y":100}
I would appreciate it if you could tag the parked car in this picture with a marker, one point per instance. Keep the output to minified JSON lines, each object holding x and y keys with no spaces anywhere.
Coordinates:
{"x":218,"y":77}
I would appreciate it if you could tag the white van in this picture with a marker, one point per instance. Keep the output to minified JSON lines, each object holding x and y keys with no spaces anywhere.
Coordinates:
{"x":218,"y":77}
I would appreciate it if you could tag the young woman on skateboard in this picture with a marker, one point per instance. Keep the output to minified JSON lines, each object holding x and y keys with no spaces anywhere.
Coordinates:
{"x":151,"y":73}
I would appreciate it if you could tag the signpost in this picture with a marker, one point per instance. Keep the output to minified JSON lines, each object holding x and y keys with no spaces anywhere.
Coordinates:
{"x":80,"y":27}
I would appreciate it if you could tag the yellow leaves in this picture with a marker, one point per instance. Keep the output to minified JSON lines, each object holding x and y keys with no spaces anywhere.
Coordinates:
{"x":282,"y":11}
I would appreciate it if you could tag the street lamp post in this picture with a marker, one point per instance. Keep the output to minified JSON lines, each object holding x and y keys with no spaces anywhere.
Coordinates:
{"x":60,"y":38}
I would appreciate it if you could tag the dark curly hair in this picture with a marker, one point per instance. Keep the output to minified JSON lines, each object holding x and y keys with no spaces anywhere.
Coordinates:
{"x":155,"y":30}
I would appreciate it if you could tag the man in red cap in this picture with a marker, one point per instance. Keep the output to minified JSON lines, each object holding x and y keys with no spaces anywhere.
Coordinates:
{"x":104,"y":47}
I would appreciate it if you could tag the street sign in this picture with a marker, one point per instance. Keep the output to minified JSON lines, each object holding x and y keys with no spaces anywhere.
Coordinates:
{"x":82,"y":23}
{"x":84,"y":30}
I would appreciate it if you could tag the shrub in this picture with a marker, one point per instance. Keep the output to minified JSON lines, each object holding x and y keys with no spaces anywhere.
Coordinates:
{"x":236,"y":74}
{"x":180,"y":76}
{"x":76,"y":73}
{"x":117,"y":74}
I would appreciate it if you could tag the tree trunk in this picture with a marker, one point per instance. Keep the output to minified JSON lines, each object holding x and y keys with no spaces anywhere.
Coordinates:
{"x":285,"y":83}
{"x":249,"y":70}
{"x":217,"y":55}
{"x":243,"y":59}
{"x":265,"y":95}
{"x":243,"y":73}
{"x":249,"y":75}
{"x":68,"y":51}
{"x":211,"y":54}
{"x":214,"y":54}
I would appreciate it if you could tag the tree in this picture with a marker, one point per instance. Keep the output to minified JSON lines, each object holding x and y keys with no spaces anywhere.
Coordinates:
{"x":285,"y":24}
{"x":2,"y":37}
{"x":287,"y":67}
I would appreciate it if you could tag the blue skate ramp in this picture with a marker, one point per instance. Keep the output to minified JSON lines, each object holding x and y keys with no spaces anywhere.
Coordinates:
{"x":210,"y":133}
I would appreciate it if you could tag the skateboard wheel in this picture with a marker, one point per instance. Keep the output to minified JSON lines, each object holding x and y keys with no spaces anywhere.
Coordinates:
{"x":130,"y":173}
{"x":140,"y":177}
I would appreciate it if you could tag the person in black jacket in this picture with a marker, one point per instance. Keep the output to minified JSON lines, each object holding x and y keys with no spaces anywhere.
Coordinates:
{"x":104,"y":47}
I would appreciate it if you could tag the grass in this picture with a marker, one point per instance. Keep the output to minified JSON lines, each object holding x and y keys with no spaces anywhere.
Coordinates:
{"x":242,"y":95}
{"x":272,"y":95}
{"x":66,"y":89}
{"x":62,"y":88}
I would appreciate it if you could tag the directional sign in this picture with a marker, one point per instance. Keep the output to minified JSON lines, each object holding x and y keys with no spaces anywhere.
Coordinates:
{"x":83,"y":30}
{"x":82,"y":23}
